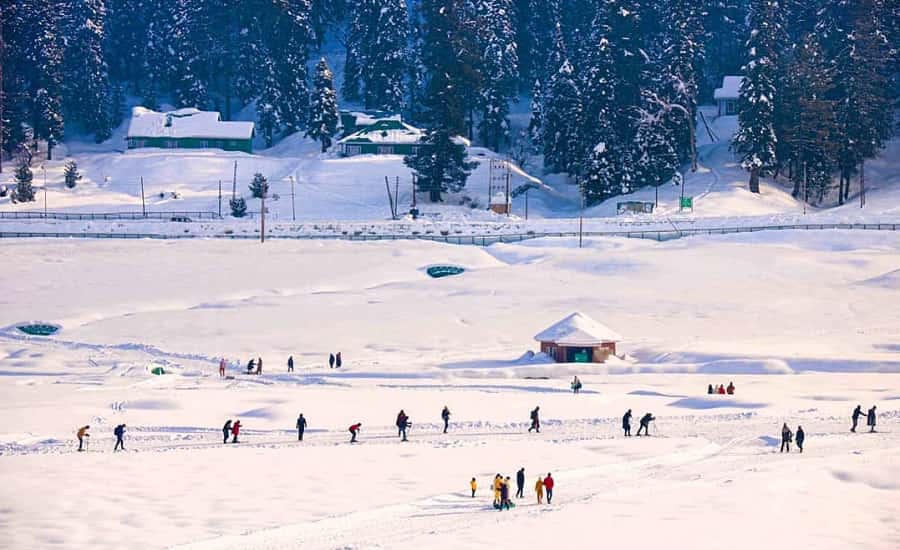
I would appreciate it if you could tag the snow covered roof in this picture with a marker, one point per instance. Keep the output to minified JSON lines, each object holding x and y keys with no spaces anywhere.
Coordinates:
{"x":391,"y":131}
{"x":186,"y":123}
{"x":578,"y":330}
{"x":368,"y":118}
{"x":731,"y":88}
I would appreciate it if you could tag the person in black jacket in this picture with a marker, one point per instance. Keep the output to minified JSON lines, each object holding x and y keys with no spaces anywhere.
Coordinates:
{"x":857,"y":412}
{"x":445,"y":415}
{"x":801,"y":436}
{"x":626,"y":423}
{"x":645,"y":424}
{"x":710,"y":390}
{"x":331,"y":361}
{"x":870,"y":419}
{"x":301,"y":427}
{"x":535,"y":420}
{"x":402,"y":423}
{"x":226,"y":431}
{"x":520,"y":483}
{"x":120,"y":437}
{"x":291,"y":363}
{"x":786,"y":437}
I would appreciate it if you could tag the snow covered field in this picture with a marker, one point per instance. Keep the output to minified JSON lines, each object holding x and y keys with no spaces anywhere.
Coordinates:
{"x":806,"y":324}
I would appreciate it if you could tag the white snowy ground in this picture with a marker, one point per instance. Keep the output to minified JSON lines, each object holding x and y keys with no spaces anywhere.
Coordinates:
{"x":807,"y":325}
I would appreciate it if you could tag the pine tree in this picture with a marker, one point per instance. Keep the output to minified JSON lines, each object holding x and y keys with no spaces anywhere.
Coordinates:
{"x":14,"y":108}
{"x":755,"y":140}
{"x":259,"y":187}
{"x":238,"y":207}
{"x":189,"y":27}
{"x":386,"y":57}
{"x":500,"y":67}
{"x":71,"y":175}
{"x":682,"y":59}
{"x":290,"y":52}
{"x":44,"y":53}
{"x":323,"y":108}
{"x":440,"y":163}
{"x":725,"y":35}
{"x":86,"y":87}
{"x":267,"y":113}
{"x":540,"y":19}
{"x":536,"y":124}
{"x":359,"y":34}
{"x":562,"y":121}
{"x":24,"y":189}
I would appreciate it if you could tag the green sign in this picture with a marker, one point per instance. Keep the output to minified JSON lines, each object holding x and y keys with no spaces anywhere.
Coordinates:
{"x":582,"y":357}
{"x":687,"y":202}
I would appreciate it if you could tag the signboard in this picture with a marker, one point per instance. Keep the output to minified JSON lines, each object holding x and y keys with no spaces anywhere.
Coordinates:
{"x":634,"y":207}
{"x":687,"y":202}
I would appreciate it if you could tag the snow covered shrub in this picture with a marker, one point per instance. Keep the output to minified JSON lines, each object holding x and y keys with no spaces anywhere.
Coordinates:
{"x":238,"y":207}
{"x":71,"y":175}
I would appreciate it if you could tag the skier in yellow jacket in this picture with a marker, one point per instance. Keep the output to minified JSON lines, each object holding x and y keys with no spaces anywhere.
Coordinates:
{"x":474,"y":485}
{"x":539,"y":490}
{"x":498,"y":485}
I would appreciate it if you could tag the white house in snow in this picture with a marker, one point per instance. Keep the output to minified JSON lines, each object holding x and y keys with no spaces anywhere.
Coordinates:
{"x":727,"y":96}
{"x":578,"y":339}
{"x":188,"y":129}
{"x":386,"y":136}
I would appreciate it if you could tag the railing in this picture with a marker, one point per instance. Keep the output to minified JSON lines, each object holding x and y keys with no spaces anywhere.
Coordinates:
{"x":478,"y":240}
{"x":31,"y":215}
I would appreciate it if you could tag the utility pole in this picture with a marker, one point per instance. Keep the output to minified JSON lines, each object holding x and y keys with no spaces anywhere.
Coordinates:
{"x":220,"y":197}
{"x":144,"y":203}
{"x":508,"y":198}
{"x":293,"y":208}
{"x":44,"y":170}
{"x":234,"y":183}
{"x":862,"y":184}
{"x":262,"y":215}
{"x":526,"y":202}
{"x":581,"y":213}
{"x":656,"y":201}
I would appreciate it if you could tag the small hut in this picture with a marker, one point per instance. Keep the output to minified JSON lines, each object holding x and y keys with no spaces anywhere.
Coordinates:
{"x":578,"y":339}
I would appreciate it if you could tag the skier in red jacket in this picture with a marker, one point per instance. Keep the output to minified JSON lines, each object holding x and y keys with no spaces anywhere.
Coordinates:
{"x":235,"y":431}
{"x":354,"y":430}
{"x":548,"y":487}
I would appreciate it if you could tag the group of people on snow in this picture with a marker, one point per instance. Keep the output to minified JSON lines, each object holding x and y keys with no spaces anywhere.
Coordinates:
{"x":644,"y":423}
{"x":254,"y":366}
{"x":83,"y":435}
{"x":335,"y":361}
{"x":720,"y":389}
{"x":233,"y":429}
{"x":870,"y":418}
{"x":501,"y":487}
{"x":787,"y":436}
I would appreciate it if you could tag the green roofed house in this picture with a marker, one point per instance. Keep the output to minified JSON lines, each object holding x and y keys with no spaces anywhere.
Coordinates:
{"x":188,"y":129}
{"x":386,"y":136}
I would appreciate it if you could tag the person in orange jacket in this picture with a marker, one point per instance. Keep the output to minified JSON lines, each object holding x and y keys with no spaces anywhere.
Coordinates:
{"x":474,"y":485}
{"x":82,"y":433}
{"x":498,"y":483}
{"x":539,"y":490}
{"x":548,"y":485}
{"x":235,"y":431}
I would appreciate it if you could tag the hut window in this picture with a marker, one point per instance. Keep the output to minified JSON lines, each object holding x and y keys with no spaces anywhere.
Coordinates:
{"x":385,"y":150}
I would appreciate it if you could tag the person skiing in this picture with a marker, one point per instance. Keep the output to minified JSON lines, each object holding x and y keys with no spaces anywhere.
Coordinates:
{"x":857,"y":412}
{"x":626,"y":423}
{"x":301,"y":427}
{"x":82,"y":433}
{"x":250,"y":366}
{"x":119,"y":432}
{"x":576,"y":385}
{"x":535,"y":420}
{"x":548,"y":486}
{"x":721,"y":389}
{"x":402,"y":423}
{"x":354,"y":430}
{"x":870,"y":419}
{"x":331,"y":361}
{"x":539,"y":490}
{"x":710,"y":390}
{"x":801,"y":436}
{"x":474,"y":486}
{"x":520,"y":483}
{"x":445,"y":415}
{"x":786,"y":437}
{"x":222,"y":368}
{"x":337,"y":360}
{"x":291,"y":363}
{"x":730,"y":389}
{"x":645,"y":424}
{"x":504,"y":494}
{"x":498,"y":482}
{"x":235,"y":431}
{"x":259,"y":365}
{"x":226,"y":431}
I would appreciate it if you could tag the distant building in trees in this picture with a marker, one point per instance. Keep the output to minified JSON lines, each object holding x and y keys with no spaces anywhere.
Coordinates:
{"x":188,"y":129}
{"x":386,"y":136}
{"x":727,"y":96}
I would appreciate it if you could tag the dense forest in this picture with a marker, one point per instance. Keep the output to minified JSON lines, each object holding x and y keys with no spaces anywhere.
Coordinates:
{"x":613,"y":85}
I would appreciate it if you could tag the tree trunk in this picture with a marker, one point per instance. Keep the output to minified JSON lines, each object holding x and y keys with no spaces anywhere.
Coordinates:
{"x":795,"y":192}
{"x":754,"y":180}
{"x":841,"y":187}
{"x":435,"y":195}
{"x":49,"y":149}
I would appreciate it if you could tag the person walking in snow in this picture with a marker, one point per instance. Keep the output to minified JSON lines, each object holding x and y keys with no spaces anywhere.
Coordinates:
{"x":474,"y":486}
{"x":81,"y":435}
{"x":259,"y":365}
{"x":786,"y":437}
{"x":870,"y":419}
{"x":301,"y":427}
{"x":338,"y":361}
{"x":331,"y":361}
{"x":226,"y":431}
{"x":119,"y":432}
{"x":498,"y":482}
{"x":535,"y":420}
{"x":520,"y":483}
{"x":354,"y":430}
{"x":548,"y":486}
{"x":235,"y":431}
{"x":445,"y":416}
{"x":576,"y":385}
{"x":291,"y":363}
{"x":250,"y":366}
{"x":222,"y":368}
{"x":801,"y":436}
{"x":857,"y":412}
{"x":402,"y":423}
{"x":504,"y":494}
{"x":626,"y":423}
{"x":645,"y":424}
{"x":539,"y":490}
{"x":721,"y":390}
{"x":730,"y":389}
{"x":710,"y":390}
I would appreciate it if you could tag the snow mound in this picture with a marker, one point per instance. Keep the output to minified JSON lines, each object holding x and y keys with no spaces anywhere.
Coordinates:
{"x":889,"y":280}
{"x":746,"y":366}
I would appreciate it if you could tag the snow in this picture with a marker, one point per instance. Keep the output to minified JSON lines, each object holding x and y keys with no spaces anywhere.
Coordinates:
{"x":386,"y":133}
{"x":731,"y":88}
{"x":186,"y":123}
{"x":696,"y":311}
{"x":578,"y":330}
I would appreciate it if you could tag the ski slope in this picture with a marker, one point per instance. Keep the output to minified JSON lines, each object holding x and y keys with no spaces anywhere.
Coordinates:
{"x":805,"y":324}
